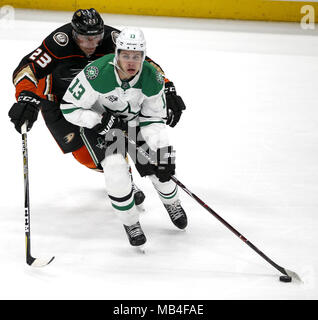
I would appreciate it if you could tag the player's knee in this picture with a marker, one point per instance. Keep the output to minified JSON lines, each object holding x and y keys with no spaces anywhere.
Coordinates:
{"x":116,"y":173}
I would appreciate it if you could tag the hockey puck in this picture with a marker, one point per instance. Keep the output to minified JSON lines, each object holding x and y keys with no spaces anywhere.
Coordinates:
{"x":285,"y":278}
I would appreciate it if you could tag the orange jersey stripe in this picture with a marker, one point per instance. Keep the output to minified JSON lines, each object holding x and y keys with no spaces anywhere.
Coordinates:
{"x":53,"y":55}
{"x":24,"y":85}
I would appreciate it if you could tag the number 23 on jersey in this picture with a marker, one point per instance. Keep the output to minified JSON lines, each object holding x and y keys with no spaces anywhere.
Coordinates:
{"x":41,"y":59}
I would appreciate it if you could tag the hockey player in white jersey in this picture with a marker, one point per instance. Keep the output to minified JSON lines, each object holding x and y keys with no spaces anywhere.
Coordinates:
{"x":123,"y":91}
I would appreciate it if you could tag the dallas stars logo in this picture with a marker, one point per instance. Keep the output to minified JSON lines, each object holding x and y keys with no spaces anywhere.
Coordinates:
{"x":91,"y":72}
{"x":159,"y":77}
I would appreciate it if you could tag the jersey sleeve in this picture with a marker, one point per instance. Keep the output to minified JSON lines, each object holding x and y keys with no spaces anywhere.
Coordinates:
{"x":33,"y":67}
{"x":41,"y":62}
{"x":153,"y":107}
{"x":158,"y":68}
{"x":78,"y":101}
{"x":153,"y":111}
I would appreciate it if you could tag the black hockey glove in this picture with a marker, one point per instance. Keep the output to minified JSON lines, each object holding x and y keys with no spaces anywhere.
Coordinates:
{"x":109,"y":122}
{"x":165,"y":163}
{"x":26,"y":109}
{"x":175,"y":104}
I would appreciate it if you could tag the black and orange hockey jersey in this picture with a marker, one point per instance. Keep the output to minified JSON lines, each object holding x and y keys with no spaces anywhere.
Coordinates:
{"x":48,"y":70}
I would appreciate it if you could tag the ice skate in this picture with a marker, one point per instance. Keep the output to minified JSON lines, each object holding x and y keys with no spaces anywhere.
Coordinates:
{"x":135,"y":235}
{"x":177,"y":214}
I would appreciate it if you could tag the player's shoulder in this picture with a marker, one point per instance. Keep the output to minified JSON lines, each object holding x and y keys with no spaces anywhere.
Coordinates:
{"x":60,"y":42}
{"x":152,"y":80}
{"x":97,"y":71}
{"x":112,"y":32}
{"x":108,"y":43}
{"x":99,"y":67}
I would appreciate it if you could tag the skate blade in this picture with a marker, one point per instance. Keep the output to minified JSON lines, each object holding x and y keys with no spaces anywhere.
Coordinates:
{"x":140,"y":249}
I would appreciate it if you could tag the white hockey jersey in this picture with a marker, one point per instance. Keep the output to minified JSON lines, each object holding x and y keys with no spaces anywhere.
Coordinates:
{"x":141,"y":101}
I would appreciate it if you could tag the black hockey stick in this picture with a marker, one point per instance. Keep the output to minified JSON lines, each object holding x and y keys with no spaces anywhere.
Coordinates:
{"x":34,"y":262}
{"x":288,"y":275}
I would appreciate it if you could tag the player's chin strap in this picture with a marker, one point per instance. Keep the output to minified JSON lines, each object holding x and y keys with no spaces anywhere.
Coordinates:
{"x":116,"y":65}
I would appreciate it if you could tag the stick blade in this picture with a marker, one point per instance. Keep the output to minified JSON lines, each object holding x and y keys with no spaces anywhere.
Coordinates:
{"x":40,"y":262}
{"x":293,"y":275}
{"x":140,"y":249}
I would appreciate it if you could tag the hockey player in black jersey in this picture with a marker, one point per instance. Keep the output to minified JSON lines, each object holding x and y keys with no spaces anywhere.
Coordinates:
{"x":43,"y":76}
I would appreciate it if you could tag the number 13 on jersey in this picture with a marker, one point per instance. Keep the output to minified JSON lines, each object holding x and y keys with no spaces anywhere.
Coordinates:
{"x":77,"y":90}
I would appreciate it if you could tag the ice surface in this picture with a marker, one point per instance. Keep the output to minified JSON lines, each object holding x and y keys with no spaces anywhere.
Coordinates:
{"x":247,"y":145}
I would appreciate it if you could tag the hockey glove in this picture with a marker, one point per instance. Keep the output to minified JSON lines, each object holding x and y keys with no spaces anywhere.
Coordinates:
{"x":26,"y":109}
{"x":175,"y":104}
{"x":109,"y":122}
{"x":165,"y":163}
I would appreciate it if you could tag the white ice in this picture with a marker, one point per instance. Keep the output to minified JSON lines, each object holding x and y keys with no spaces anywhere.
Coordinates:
{"x":247,"y":145}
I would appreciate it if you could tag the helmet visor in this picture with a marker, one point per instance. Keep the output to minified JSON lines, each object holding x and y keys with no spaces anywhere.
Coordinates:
{"x":88,"y":44}
{"x":88,"y":38}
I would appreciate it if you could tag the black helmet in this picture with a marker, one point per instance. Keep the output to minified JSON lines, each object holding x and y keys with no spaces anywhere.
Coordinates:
{"x":87,"y":22}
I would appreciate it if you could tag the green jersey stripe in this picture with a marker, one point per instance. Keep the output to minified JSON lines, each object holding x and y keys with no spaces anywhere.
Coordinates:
{"x":66,"y":111}
{"x":146,"y":123}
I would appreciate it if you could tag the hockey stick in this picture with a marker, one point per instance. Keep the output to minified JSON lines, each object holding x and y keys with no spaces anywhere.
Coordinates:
{"x":288,"y":275}
{"x":31,"y":261}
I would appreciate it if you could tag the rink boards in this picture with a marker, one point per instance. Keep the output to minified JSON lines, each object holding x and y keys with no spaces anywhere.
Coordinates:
{"x":278,"y":10}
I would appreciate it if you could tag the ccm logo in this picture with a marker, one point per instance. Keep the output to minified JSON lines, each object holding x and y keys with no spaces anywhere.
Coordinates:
{"x":29,"y":99}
